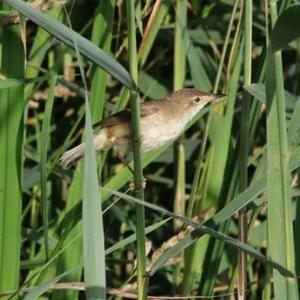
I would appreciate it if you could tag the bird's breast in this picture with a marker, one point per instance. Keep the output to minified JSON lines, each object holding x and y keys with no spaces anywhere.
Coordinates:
{"x":156,"y":131}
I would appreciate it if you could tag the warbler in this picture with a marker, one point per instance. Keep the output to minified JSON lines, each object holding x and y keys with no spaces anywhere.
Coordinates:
{"x":161,"y":122}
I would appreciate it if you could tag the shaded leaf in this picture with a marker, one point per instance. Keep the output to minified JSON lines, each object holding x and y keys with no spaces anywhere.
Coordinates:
{"x":258,"y":90}
{"x":39,"y":290}
{"x":286,"y":28}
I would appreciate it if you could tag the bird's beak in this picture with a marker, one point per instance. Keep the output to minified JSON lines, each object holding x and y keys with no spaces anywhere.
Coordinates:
{"x":220,"y":95}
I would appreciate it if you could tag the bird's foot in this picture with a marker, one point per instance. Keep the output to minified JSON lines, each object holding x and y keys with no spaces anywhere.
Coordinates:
{"x":135,"y":187}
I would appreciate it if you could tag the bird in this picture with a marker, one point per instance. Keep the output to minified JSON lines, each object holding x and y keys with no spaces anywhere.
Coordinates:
{"x":161,"y":122}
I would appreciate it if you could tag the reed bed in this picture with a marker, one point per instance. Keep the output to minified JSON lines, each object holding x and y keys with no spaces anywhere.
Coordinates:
{"x":220,"y":211}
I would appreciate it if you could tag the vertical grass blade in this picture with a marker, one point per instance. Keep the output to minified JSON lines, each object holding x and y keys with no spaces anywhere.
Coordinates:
{"x":158,"y":13}
{"x":102,"y":36}
{"x":178,"y":83}
{"x":244,"y":147}
{"x":72,"y":257}
{"x":220,"y":151}
{"x":93,"y":231}
{"x":280,"y":235}
{"x":216,"y":84}
{"x":179,"y":44}
{"x":44,"y":150}
{"x":37,"y":53}
{"x":138,"y":167}
{"x":11,"y":141}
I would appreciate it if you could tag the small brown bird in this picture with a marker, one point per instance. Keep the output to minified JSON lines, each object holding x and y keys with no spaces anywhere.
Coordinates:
{"x":162,"y":121}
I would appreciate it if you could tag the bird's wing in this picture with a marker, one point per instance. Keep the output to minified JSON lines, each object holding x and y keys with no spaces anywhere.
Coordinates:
{"x":147,"y":108}
{"x":115,"y":119}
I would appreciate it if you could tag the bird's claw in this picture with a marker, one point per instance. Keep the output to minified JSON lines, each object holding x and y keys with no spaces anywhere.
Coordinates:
{"x":138,"y":187}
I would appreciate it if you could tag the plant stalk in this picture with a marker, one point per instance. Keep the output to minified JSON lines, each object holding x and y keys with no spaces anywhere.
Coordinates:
{"x":138,"y":168}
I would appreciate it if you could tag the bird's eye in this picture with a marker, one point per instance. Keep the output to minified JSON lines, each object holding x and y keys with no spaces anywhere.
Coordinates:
{"x":197,"y":99}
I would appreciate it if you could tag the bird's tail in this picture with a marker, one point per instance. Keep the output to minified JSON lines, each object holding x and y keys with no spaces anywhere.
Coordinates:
{"x":72,"y":156}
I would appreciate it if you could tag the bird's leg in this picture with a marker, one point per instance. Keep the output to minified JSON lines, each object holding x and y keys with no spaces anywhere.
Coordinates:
{"x":126,"y":163}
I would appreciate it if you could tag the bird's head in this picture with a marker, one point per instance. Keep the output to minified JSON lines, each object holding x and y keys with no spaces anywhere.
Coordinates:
{"x":192,"y":99}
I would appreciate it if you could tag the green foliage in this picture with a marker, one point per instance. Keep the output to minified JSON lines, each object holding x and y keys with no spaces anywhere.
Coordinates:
{"x":66,"y":35}
{"x":286,"y":28}
{"x":280,"y":223}
{"x":11,"y":167}
{"x":82,"y":227}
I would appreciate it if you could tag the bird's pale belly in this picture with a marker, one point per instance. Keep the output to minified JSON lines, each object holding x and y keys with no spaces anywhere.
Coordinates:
{"x":156,"y":134}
